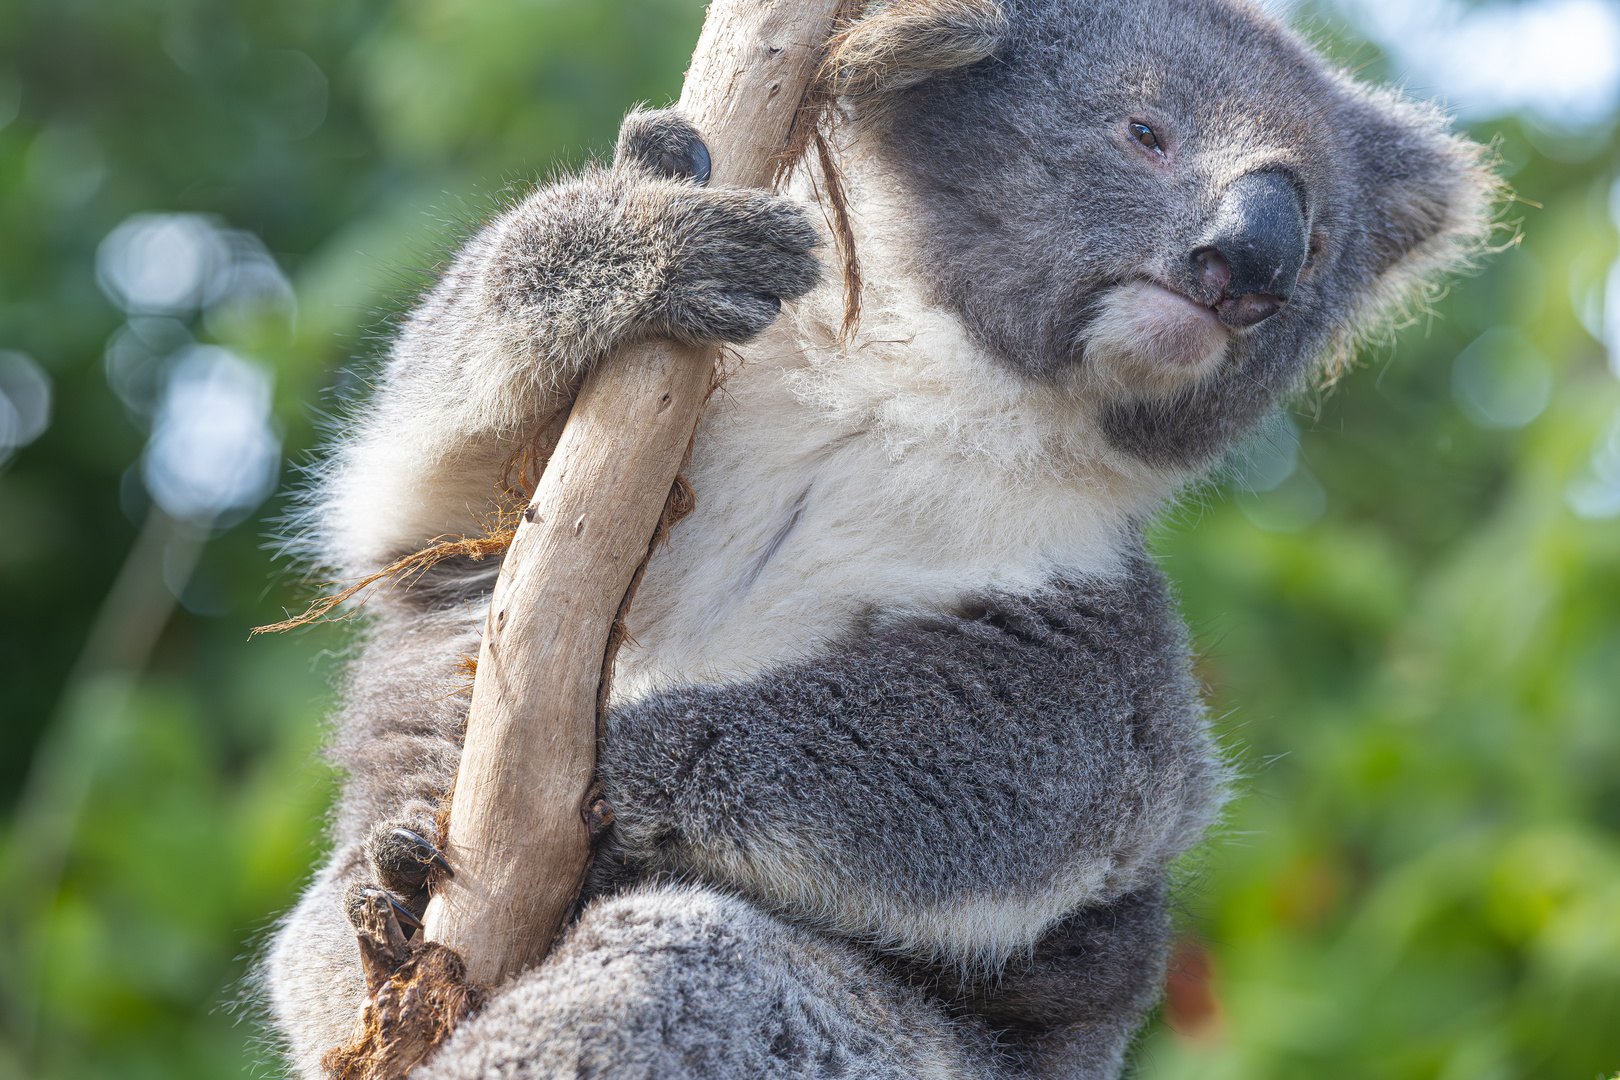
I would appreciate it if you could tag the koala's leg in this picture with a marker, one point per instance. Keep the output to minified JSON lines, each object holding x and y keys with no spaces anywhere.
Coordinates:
{"x":483,"y":366}
{"x":399,"y":741}
{"x":1073,"y":1008}
{"x":399,"y":738}
{"x":681,"y":982}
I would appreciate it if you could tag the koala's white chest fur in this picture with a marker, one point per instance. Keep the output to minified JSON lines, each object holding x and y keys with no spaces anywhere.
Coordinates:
{"x":901,"y":474}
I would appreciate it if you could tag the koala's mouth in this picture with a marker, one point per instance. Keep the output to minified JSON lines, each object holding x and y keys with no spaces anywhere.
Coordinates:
{"x":1170,"y":327}
{"x":1178,"y":305}
{"x":1149,"y":339}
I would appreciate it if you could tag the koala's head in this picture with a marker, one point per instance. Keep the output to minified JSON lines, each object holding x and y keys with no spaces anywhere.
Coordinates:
{"x":1175,"y":201}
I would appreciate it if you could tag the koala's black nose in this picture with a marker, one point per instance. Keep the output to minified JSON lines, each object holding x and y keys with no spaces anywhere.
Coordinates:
{"x":1248,"y":266}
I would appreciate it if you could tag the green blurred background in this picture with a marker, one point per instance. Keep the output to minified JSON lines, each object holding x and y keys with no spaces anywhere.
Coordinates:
{"x":1407,"y":593}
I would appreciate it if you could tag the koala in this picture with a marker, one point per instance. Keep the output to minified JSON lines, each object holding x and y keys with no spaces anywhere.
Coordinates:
{"x":907,"y":739}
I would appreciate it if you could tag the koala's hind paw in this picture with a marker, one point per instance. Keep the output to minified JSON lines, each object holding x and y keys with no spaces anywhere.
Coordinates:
{"x":417,"y":993}
{"x":403,"y":858}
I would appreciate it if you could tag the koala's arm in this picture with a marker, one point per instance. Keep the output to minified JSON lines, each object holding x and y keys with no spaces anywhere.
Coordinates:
{"x":482,"y":368}
{"x":948,"y":788}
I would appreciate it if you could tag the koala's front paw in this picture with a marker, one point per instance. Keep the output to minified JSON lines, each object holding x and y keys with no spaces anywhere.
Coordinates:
{"x":738,"y":256}
{"x":731,"y":256}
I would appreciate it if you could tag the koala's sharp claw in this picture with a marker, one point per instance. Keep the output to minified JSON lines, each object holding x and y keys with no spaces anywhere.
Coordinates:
{"x":424,"y":851}
{"x":374,"y":909}
{"x":688,"y":162}
{"x":399,"y":910}
{"x":598,"y":815}
{"x":664,"y":142}
{"x":403,"y":859}
{"x":700,"y":162}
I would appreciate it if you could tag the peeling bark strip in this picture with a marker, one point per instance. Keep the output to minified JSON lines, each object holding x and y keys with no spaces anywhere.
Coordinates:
{"x":517,"y":838}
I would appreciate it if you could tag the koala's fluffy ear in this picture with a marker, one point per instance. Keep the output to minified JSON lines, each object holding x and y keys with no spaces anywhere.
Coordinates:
{"x":899,"y":43}
{"x":1426,"y":201}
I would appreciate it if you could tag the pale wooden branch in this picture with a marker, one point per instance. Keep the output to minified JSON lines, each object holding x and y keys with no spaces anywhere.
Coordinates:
{"x":517,"y":839}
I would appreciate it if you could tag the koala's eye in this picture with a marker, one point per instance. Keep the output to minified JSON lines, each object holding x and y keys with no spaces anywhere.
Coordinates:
{"x":1144,"y":135}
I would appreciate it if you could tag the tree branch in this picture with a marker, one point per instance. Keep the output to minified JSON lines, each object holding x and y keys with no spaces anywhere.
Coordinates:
{"x":517,"y":839}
